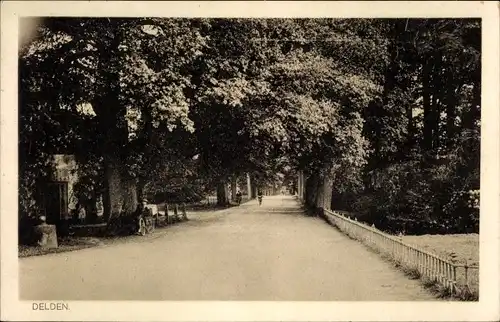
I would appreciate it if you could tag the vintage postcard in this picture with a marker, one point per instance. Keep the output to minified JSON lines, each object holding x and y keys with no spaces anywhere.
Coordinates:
{"x":250,"y":161}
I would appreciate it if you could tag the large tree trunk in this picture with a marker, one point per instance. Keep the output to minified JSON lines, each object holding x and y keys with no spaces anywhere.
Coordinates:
{"x":130,"y":196}
{"x":121,"y":193}
{"x":298,"y":184}
{"x":319,"y":195}
{"x":426,"y":93}
{"x":436,"y":104}
{"x":249,"y":187}
{"x":325,"y":185}
{"x":450,"y":123}
{"x":434,"y":116}
{"x":474,"y":113}
{"x":141,"y":184}
{"x":311,"y":189}
{"x":303,"y":182}
{"x":301,"y":186}
{"x":327,"y":190}
{"x":410,"y":139}
{"x":451,"y":114}
{"x":120,"y":190}
{"x":113,"y":200}
{"x":222,"y":198}
{"x":146,"y":141}
{"x":234,"y":180}
{"x":254,"y":187}
{"x":375,"y":111}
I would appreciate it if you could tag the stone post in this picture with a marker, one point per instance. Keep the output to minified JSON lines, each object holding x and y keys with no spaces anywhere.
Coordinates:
{"x":46,"y":235}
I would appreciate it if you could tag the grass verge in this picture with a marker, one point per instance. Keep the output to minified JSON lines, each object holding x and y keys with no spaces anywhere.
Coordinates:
{"x":73,"y":243}
{"x":67,"y":244}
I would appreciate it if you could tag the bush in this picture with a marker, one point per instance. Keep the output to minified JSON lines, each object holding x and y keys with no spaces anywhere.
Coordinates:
{"x":431,"y":197}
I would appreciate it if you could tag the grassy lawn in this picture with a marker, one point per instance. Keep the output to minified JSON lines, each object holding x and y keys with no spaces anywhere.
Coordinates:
{"x":464,"y":246}
{"x":68,"y":244}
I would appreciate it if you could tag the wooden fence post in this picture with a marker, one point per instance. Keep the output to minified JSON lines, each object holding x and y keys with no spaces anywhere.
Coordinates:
{"x":454,"y":277}
{"x":466,"y":267}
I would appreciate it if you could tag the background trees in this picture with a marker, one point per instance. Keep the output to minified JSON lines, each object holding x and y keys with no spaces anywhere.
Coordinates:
{"x":128,"y":74}
{"x":421,"y":129}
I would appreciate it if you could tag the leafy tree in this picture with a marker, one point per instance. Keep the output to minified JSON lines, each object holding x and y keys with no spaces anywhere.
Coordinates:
{"x":229,"y":100}
{"x":428,"y":113}
{"x":129,"y":72}
{"x":324,"y":97}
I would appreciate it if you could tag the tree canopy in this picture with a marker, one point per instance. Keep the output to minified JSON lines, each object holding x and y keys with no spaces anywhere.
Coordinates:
{"x":363,"y":107}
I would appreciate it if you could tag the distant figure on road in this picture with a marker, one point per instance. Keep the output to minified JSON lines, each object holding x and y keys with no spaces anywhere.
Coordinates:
{"x":238,"y":197}
{"x":259,"y":196}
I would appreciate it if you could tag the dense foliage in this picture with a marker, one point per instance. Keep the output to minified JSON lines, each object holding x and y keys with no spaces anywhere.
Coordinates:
{"x":423,"y":172}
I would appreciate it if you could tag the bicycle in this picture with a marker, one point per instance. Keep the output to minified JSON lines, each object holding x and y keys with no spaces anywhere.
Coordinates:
{"x":145,"y":223}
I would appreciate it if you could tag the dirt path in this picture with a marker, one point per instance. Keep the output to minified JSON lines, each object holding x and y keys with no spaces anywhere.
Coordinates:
{"x":247,"y":253}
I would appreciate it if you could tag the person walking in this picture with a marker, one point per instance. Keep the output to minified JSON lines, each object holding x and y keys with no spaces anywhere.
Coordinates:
{"x":259,"y":196}
{"x":238,"y":197}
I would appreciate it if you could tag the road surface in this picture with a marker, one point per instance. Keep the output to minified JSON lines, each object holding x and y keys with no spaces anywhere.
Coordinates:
{"x":266,"y":253}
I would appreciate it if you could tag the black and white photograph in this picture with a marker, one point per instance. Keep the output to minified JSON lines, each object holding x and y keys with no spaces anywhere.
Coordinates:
{"x":251,"y":159}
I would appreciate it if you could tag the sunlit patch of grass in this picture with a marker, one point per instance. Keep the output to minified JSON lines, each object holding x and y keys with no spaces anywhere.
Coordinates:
{"x":465,"y":247}
{"x":459,"y":248}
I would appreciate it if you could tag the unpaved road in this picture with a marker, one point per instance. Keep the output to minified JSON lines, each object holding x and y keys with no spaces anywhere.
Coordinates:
{"x":248,"y":253}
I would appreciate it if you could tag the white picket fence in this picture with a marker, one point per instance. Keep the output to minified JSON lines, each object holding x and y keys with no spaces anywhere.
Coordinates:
{"x":427,"y":264}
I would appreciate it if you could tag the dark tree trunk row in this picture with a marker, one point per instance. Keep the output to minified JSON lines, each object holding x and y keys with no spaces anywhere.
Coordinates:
{"x":426,"y":96}
{"x":318,"y":189}
{"x":222,"y":193}
{"x":234,"y":183}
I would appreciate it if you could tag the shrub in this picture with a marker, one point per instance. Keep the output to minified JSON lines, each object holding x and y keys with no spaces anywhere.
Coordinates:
{"x":431,"y":196}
